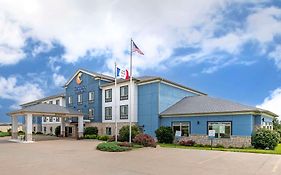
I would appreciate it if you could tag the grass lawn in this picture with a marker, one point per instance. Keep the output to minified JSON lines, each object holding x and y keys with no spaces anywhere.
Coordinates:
{"x":4,"y":134}
{"x":248,"y":150}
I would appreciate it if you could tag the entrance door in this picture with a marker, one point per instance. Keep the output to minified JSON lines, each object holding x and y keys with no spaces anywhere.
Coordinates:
{"x":68,"y":131}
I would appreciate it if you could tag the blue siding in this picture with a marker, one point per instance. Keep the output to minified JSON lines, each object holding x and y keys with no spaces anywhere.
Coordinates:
{"x":153,"y":98}
{"x":148,"y":107}
{"x":242,"y":125}
{"x":169,"y":95}
{"x":89,"y":84}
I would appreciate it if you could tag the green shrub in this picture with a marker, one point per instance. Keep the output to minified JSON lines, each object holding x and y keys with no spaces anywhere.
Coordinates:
{"x":21,"y":133}
{"x":103,"y":137}
{"x":4,"y":134}
{"x":265,"y":139}
{"x":145,"y":140}
{"x":91,"y":131}
{"x":39,"y":133}
{"x":165,"y":134}
{"x":111,"y":147}
{"x":124,"y":133}
{"x":57,"y":131}
{"x":90,"y":136}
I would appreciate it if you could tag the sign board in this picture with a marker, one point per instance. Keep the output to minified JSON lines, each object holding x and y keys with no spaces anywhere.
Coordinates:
{"x":212,"y":133}
{"x":178,"y":134}
{"x":222,"y":129}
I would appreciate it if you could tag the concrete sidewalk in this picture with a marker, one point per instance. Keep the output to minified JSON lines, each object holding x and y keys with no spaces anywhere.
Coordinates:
{"x":77,"y":157}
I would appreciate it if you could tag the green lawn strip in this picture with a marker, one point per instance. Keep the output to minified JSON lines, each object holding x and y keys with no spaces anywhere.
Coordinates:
{"x":4,"y":134}
{"x":277,"y":150}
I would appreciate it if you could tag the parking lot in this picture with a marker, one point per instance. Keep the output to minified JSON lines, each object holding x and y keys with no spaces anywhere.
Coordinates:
{"x":73,"y":157}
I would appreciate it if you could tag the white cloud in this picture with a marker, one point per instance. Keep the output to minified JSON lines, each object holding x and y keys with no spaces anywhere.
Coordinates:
{"x":11,"y":90}
{"x":104,"y":28}
{"x":59,"y":80}
{"x":276,"y":56}
{"x":272,"y":102}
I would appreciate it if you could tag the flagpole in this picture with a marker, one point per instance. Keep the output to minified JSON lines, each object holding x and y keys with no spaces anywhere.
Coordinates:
{"x":115,"y":105}
{"x":131,"y":80}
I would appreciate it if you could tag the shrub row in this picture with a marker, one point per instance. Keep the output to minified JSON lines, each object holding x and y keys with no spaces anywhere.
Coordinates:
{"x":93,"y":136}
{"x":265,"y":139}
{"x":112,"y":147}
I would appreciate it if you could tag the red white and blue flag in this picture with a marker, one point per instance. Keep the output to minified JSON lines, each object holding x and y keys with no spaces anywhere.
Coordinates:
{"x":122,"y":73}
{"x":136,"y":49}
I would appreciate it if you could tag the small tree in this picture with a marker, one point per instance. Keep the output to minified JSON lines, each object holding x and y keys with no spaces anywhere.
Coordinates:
{"x":165,"y":134}
{"x":264,"y":138}
{"x":124,"y":133}
{"x":57,"y":131}
{"x":92,"y":130}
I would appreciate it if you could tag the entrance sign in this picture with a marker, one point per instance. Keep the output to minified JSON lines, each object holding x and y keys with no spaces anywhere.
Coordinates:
{"x":178,"y":134}
{"x":212,"y":133}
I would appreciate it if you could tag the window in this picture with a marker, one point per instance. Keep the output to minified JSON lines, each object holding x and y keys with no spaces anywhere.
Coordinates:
{"x":57,"y":102}
{"x":108,"y":130}
{"x":57,"y":119}
{"x":223,"y":129}
{"x":34,"y":129}
{"x":70,"y":100}
{"x":108,"y":113}
{"x":91,"y":113}
{"x":183,"y":127}
{"x":51,"y":119}
{"x":51,"y":129}
{"x":44,"y":119}
{"x":124,"y":112}
{"x":108,"y":95}
{"x":45,"y":129}
{"x":124,"y":93}
{"x":79,"y":99}
{"x":50,"y":102}
{"x":91,"y":96}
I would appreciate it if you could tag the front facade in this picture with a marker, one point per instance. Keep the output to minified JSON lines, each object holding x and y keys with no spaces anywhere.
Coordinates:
{"x":159,"y":102}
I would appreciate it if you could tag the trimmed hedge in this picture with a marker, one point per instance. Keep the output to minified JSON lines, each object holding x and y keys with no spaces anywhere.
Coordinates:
{"x":124,"y":133}
{"x":92,"y":130}
{"x":164,"y":134}
{"x":90,"y":137}
{"x":265,"y":139}
{"x":112,"y":147}
{"x":145,"y":140}
{"x":4,"y":134}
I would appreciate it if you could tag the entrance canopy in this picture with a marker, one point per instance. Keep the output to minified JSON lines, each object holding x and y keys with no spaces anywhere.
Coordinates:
{"x":43,"y":110}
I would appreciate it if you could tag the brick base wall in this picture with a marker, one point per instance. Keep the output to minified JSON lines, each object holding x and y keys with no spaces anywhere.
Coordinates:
{"x":233,"y":141}
{"x":102,"y":127}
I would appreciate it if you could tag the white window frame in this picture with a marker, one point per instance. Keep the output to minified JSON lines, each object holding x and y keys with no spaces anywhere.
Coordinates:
{"x":108,"y":113}
{"x":91,"y":96}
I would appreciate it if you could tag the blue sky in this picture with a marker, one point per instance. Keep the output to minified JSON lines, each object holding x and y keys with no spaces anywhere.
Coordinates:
{"x":227,"y":49}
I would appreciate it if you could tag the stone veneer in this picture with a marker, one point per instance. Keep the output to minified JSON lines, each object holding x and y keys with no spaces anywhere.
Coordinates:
{"x":233,"y":141}
{"x":102,"y":126}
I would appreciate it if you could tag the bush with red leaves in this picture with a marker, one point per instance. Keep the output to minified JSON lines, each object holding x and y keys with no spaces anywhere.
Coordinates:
{"x":145,"y":140}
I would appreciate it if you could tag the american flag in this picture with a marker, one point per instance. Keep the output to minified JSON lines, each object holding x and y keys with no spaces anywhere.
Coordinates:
{"x":136,"y":49}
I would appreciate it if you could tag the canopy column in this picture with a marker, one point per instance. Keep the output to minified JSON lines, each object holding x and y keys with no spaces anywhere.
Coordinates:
{"x":80,"y":126}
{"x":28,"y":126}
{"x":14,"y":127}
{"x":62,"y":127}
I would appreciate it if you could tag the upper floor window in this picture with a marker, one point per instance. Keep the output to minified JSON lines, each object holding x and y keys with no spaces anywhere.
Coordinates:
{"x":51,"y":119}
{"x":91,"y":96}
{"x":124,"y":92}
{"x":57,"y":102}
{"x":124,"y":112}
{"x":70,"y":100}
{"x":223,"y":129}
{"x":79,"y":99}
{"x":108,"y":113}
{"x":50,"y":102}
{"x":44,"y":119}
{"x":108,"y":95}
{"x":91,"y":113}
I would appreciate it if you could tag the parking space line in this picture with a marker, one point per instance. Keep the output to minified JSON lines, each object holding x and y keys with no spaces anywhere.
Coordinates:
{"x":213,"y":158}
{"x":276,"y":165}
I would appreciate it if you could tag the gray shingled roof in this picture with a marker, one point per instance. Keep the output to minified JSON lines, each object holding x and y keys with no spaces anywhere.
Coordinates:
{"x":46,"y":108}
{"x":207,"y":105}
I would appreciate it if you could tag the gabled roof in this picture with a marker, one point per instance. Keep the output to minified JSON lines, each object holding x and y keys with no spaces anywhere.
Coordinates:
{"x":43,"y":108}
{"x":94,"y":74}
{"x":149,"y":79}
{"x":43,"y":99}
{"x":205,"y":105}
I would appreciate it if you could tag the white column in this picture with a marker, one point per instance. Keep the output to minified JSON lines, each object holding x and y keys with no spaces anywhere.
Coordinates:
{"x":80,"y":126}
{"x":62,"y":127}
{"x":14,"y":127}
{"x":28,"y":126}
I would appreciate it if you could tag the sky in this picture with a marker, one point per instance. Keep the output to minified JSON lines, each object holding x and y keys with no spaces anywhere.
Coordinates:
{"x":229,"y":49}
